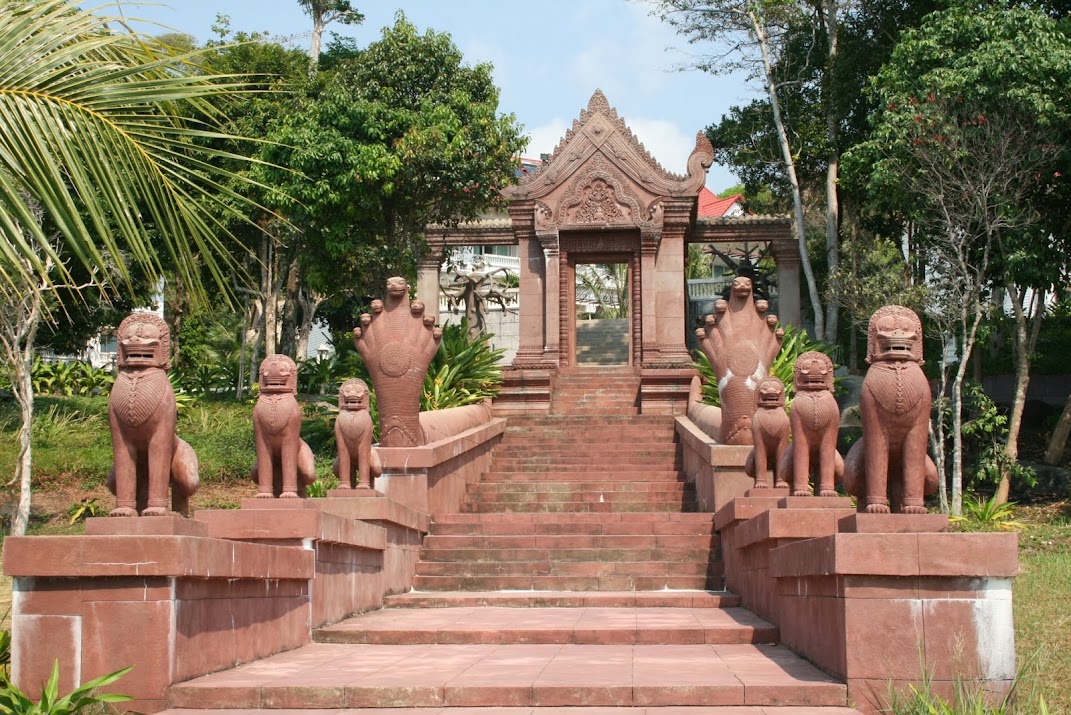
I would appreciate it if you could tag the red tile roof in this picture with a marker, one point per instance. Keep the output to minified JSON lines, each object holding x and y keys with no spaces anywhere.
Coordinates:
{"x":710,"y":206}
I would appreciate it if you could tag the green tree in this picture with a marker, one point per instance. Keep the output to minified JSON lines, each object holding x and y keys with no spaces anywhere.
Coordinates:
{"x":96,"y":164}
{"x":400,"y":136}
{"x":972,"y":140}
{"x":323,"y":13}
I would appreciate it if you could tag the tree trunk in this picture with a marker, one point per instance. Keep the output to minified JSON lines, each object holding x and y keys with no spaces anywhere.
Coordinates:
{"x":1055,"y":451}
{"x":833,"y":166}
{"x":1023,"y":349}
{"x":318,"y":26}
{"x":25,"y":317}
{"x":288,"y":339}
{"x":309,"y":302}
{"x":790,"y":171}
{"x":269,"y":288}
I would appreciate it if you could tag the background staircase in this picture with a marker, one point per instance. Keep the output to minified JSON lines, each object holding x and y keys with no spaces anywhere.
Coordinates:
{"x":577,"y":576}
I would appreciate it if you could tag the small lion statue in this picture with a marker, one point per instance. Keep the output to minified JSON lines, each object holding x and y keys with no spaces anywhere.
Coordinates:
{"x":769,"y":431}
{"x":889,"y":466}
{"x":353,"y":435}
{"x":147,"y":453}
{"x":815,"y":426}
{"x":284,"y":465}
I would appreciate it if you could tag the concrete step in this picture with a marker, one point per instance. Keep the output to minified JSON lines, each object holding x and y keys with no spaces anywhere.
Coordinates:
{"x":529,"y":582}
{"x":668,"y":460}
{"x":565,"y":599}
{"x":325,"y":675}
{"x":605,"y":626}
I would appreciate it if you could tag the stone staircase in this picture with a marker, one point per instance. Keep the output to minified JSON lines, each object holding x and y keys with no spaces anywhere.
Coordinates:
{"x":578,"y":576}
{"x":602,"y":341}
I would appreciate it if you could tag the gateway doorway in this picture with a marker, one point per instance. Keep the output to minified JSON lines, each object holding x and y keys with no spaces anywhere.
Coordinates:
{"x":602,"y":313}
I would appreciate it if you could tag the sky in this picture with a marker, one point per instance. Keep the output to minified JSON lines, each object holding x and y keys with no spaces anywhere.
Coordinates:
{"x":549,"y":57}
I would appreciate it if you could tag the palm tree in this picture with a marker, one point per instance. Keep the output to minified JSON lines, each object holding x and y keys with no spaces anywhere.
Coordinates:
{"x":98,"y":165}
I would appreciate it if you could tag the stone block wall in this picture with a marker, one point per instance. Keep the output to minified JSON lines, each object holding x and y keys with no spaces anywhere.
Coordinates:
{"x":182,"y":597}
{"x":874,"y":599}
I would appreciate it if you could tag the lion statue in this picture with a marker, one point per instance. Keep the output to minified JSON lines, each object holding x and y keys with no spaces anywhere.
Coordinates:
{"x":889,"y":466}
{"x":147,"y":453}
{"x":815,"y":426}
{"x":353,"y":435}
{"x":769,"y":432}
{"x":284,"y":465}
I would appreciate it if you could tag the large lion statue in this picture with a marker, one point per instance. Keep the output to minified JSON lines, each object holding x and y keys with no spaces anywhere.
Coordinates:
{"x":815,"y":426}
{"x":889,"y":466}
{"x":147,"y":453}
{"x":284,"y":465}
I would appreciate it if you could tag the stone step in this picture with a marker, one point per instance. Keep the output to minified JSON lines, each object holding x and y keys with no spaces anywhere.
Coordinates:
{"x":603,"y":496}
{"x":529,"y":524}
{"x":551,"y":542}
{"x":571,"y":507}
{"x":580,"y":465}
{"x":624,"y":449}
{"x":489,"y":488}
{"x":325,"y":675}
{"x":528,"y":710}
{"x":583,"y":475}
{"x":565,"y":458}
{"x":446,"y":554}
{"x":606,"y":422}
{"x":548,"y":566}
{"x":565,"y":599}
{"x":574,"y":434}
{"x":529,"y":582}
{"x":604,"y":626}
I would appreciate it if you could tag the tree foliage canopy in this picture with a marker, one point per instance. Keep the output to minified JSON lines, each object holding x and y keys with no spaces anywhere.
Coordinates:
{"x":400,"y":135}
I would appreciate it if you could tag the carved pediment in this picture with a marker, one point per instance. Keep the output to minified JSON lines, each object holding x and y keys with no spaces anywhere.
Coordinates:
{"x":600,"y":134}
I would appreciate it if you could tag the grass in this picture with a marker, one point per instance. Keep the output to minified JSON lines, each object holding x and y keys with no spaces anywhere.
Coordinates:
{"x":1042,"y":595}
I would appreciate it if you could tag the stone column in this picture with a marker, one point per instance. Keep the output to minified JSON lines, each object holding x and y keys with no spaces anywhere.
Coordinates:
{"x":786,"y":256}
{"x":532,"y":328}
{"x":428,"y":281}
{"x":647,"y":299}
{"x":670,"y":298}
{"x":552,"y":294}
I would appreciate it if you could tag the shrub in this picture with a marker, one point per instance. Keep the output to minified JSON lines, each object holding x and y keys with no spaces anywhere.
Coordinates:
{"x":14,"y":701}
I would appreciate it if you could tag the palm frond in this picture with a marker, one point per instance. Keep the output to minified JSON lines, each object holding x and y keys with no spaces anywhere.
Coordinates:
{"x":92,"y":132}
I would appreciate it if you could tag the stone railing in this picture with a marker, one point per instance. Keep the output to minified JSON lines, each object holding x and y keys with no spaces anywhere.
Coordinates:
{"x":180,"y":598}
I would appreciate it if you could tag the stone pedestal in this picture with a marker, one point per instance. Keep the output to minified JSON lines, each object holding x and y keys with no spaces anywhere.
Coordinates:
{"x":176,"y":606}
{"x":873,"y":599}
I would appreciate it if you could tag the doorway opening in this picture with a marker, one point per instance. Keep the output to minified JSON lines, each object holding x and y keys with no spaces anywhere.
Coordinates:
{"x":602,"y":313}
